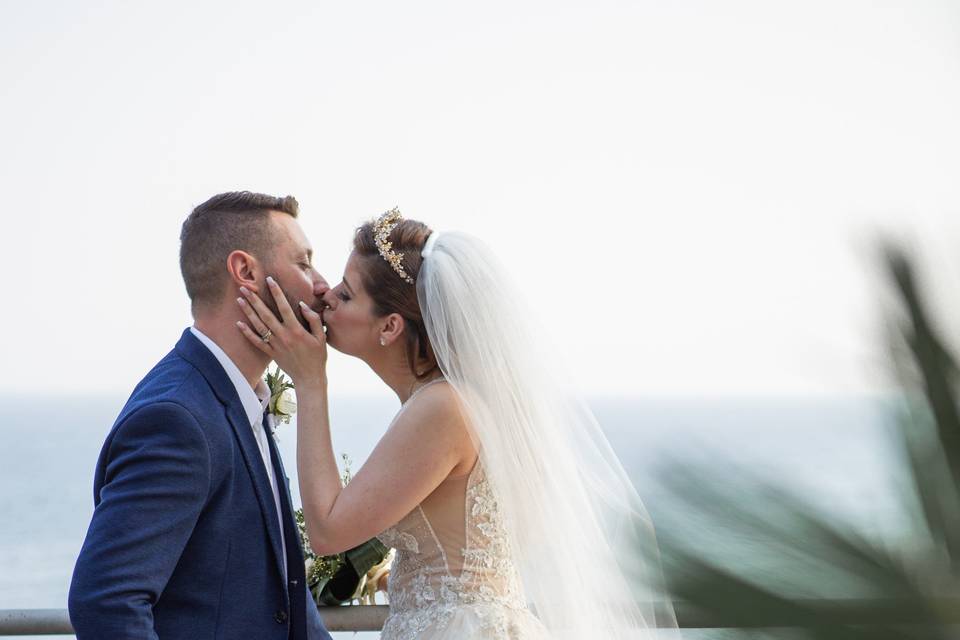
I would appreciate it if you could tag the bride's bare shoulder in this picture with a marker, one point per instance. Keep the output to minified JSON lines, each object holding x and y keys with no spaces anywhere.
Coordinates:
{"x":436,"y":409}
{"x":437,"y":400}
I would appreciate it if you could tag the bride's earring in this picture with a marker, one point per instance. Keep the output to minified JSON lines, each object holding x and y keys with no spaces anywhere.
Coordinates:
{"x":383,"y":342}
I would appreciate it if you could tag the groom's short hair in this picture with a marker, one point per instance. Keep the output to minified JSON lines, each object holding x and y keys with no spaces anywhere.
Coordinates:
{"x":227,"y":222}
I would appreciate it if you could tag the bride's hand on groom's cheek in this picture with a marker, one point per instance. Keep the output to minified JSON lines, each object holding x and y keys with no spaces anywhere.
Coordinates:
{"x":301,"y":353}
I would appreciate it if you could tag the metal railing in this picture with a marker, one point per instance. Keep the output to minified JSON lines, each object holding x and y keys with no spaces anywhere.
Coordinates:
{"x":27,"y":622}
{"x":54,"y":622}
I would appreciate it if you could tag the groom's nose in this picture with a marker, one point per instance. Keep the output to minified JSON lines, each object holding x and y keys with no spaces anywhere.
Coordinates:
{"x":320,"y":286}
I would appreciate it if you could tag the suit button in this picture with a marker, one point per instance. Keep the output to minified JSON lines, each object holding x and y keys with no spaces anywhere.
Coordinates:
{"x":280,"y":616}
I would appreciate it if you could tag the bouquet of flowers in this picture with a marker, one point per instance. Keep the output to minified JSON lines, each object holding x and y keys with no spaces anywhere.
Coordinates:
{"x":344,"y":577}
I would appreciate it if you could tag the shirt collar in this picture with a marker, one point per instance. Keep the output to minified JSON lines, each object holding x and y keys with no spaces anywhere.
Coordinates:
{"x":254,"y":401}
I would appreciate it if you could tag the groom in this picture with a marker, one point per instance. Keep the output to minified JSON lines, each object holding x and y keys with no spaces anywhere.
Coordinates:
{"x":193,"y":535}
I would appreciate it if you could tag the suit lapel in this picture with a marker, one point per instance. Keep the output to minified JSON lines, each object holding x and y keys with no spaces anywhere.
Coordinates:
{"x":194,"y":351}
{"x":286,"y":501}
{"x":261,"y":482}
{"x":296,"y":574}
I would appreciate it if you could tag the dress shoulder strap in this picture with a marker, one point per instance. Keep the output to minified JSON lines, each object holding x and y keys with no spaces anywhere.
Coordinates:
{"x":434,"y":381}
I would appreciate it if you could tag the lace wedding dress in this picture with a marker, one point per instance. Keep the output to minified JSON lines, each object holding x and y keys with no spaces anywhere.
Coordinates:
{"x":547,"y":521}
{"x":452,"y":577}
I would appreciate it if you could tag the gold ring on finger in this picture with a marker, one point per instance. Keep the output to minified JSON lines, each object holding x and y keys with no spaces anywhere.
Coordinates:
{"x":266,"y":336}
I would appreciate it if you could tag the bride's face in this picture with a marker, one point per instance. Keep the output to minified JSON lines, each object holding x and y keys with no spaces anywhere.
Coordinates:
{"x":352,"y":327}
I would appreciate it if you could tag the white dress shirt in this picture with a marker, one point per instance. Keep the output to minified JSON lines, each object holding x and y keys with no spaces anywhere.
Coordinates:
{"x":255,"y":402}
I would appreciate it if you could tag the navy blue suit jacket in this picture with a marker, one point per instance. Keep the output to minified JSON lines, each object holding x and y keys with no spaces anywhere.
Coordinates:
{"x":184,"y":542}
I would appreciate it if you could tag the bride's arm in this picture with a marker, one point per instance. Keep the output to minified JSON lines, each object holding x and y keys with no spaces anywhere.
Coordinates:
{"x":317,"y":470}
{"x":421,"y":448}
{"x":417,"y":453}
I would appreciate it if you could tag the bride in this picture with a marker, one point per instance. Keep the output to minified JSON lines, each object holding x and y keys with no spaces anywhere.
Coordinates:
{"x":510,"y":514}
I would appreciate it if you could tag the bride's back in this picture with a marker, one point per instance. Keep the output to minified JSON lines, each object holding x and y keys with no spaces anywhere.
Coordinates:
{"x":453,"y":564}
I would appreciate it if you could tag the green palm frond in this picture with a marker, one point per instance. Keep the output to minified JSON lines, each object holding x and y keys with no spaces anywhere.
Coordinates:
{"x":885,"y":584}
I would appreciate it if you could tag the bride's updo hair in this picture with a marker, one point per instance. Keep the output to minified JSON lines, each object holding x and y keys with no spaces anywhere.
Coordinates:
{"x":390,"y":292}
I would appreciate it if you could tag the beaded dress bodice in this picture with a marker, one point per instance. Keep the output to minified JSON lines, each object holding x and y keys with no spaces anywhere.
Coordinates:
{"x":453,"y":575}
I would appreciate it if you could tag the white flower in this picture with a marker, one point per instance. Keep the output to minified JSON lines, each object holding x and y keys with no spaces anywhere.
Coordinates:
{"x":287,"y":403}
{"x":283,"y":403}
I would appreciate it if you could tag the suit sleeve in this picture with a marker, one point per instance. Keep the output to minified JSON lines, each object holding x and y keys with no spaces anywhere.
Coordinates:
{"x":156,"y":482}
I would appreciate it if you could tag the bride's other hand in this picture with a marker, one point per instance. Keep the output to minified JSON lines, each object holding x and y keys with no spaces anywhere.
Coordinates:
{"x":301,"y":353}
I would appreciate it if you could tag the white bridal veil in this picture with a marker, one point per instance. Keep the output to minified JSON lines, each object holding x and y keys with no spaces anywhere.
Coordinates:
{"x":578,"y":531}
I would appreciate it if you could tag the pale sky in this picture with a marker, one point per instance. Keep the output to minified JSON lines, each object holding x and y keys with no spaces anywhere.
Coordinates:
{"x":686,"y":190}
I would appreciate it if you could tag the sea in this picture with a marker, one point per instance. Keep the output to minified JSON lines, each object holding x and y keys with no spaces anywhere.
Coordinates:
{"x":834,"y":451}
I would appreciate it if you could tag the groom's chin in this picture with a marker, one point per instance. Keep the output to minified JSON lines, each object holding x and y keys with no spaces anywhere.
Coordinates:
{"x":303,"y":321}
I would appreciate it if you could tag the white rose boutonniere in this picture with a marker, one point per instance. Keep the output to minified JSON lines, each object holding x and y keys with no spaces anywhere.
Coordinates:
{"x":283,"y":401}
{"x":286,"y":404}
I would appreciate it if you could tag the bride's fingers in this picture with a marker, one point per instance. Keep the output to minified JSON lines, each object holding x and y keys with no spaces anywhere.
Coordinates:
{"x":263,"y":313}
{"x":254,"y":339}
{"x":314,"y":319}
{"x":252,"y":317}
{"x":286,"y":313}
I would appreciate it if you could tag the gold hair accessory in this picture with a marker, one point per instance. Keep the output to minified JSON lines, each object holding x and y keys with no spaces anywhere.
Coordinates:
{"x":381,"y":231}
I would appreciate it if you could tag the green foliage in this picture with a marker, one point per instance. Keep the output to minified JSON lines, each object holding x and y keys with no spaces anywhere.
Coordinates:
{"x":320,"y":569}
{"x":893,"y":589}
{"x":335,"y":579}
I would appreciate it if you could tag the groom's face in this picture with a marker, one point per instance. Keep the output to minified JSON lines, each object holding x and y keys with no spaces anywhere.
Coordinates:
{"x":291,"y":266}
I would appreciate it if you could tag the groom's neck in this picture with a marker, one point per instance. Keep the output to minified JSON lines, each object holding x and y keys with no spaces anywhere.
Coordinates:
{"x":223,"y":331}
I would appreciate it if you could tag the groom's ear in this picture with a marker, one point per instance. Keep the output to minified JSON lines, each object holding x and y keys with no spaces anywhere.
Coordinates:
{"x":244,"y":270}
{"x":392,"y":328}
